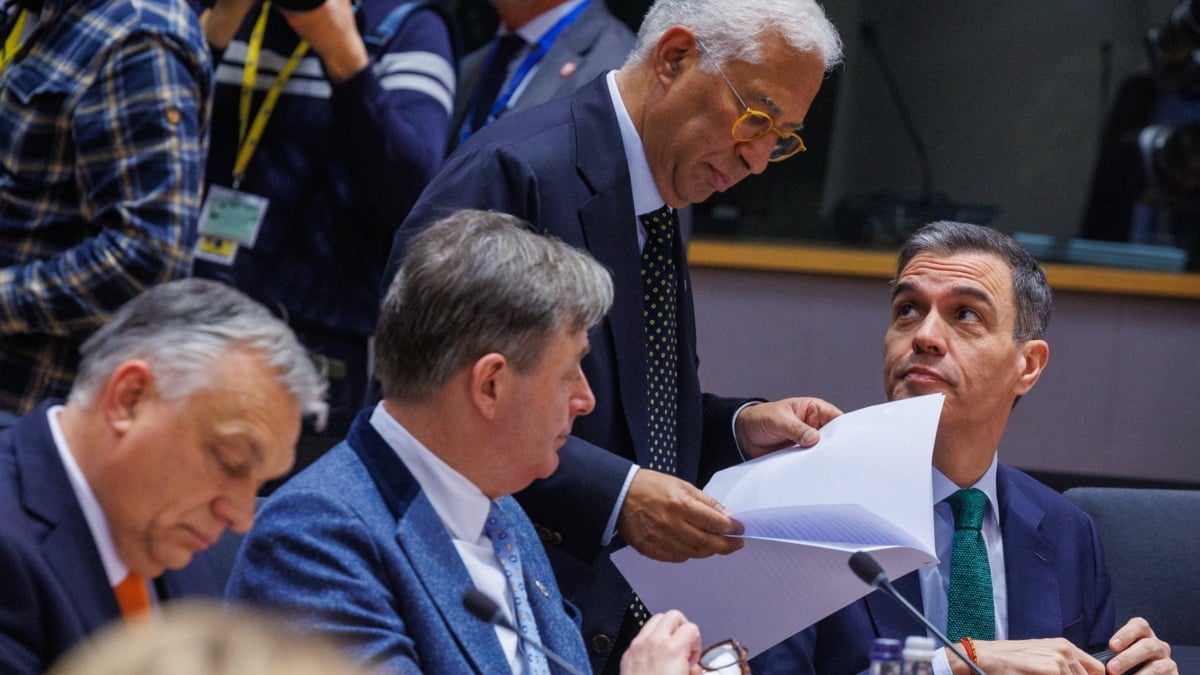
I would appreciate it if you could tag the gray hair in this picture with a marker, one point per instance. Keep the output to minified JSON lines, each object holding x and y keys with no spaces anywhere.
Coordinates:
{"x":732,"y":29}
{"x":182,"y":329}
{"x":479,"y":282}
{"x":1031,"y":292}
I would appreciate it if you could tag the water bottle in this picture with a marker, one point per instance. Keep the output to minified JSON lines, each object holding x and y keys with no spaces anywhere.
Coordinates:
{"x":887,"y":657}
{"x":918,"y":655}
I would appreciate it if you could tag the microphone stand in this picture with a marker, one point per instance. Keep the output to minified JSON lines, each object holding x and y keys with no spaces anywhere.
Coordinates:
{"x":868,"y":569}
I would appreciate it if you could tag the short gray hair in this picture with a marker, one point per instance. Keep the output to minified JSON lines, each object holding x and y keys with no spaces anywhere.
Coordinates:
{"x":733,"y":29}
{"x":1031,"y":292}
{"x":182,"y":329}
{"x":475,"y":283}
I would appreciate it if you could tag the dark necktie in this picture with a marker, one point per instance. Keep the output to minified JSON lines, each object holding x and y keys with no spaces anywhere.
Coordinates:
{"x":970,"y":611}
{"x":659,"y":286}
{"x":493,"y":78}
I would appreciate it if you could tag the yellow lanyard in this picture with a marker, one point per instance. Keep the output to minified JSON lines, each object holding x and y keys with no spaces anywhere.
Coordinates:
{"x":12,"y":44}
{"x":248,"y":141}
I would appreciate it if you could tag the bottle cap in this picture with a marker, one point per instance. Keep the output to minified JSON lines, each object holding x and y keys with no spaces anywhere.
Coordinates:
{"x":886,"y":649}
{"x":918,"y":648}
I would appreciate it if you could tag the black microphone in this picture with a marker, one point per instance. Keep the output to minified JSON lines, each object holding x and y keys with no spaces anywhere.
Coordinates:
{"x":485,"y":609}
{"x":868,"y":569}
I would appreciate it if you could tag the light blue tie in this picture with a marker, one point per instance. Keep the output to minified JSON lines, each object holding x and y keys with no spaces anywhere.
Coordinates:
{"x":509,"y":557}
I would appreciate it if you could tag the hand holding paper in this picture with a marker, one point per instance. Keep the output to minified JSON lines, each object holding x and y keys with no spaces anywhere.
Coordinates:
{"x":866,"y":485}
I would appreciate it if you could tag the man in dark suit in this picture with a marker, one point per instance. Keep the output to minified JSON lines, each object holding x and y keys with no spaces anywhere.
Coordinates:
{"x":701,"y":103}
{"x":478,"y":352}
{"x":546,"y":49}
{"x":968,"y":320}
{"x":186,"y":402}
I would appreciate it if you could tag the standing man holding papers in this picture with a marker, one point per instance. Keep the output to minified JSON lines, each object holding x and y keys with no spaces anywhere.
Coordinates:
{"x":713,"y":91}
{"x":1022,"y":581}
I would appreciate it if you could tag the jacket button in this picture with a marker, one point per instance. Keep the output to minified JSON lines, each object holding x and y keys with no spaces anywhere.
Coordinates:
{"x":548,"y":536}
{"x":601,"y":643}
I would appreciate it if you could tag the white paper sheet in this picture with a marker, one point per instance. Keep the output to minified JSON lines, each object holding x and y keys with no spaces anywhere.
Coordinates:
{"x":866,"y":486}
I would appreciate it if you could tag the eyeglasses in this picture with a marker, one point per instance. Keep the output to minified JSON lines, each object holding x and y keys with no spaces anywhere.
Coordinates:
{"x":725,"y":658}
{"x":754,"y":124}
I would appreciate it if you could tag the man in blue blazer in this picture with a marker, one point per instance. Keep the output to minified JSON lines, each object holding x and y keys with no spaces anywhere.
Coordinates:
{"x":478,"y":353}
{"x":968,"y":320}
{"x":568,"y":43}
{"x":186,"y":402}
{"x":661,"y":130}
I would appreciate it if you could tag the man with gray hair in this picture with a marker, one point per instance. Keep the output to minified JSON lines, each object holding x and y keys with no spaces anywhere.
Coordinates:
{"x":185,"y":404}
{"x":1021,"y":580}
{"x":478,"y":351}
{"x":713,"y":91}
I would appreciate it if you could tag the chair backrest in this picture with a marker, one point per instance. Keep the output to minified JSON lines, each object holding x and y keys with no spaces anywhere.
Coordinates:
{"x":1151,"y":541}
{"x":223,"y":553}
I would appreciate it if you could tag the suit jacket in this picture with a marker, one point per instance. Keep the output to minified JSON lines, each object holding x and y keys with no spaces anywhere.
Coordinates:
{"x":1058,"y":586}
{"x":55,"y":591}
{"x":562,"y":167}
{"x":595,"y":43}
{"x":354,"y":547}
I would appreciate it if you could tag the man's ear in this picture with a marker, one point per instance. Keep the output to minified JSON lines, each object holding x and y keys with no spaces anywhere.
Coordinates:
{"x":491,"y":384}
{"x":125,"y":391}
{"x":671,"y":53}
{"x":1034,"y":355}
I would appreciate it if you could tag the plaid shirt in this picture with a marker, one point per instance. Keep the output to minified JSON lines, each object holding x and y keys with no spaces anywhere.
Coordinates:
{"x":103,"y":131}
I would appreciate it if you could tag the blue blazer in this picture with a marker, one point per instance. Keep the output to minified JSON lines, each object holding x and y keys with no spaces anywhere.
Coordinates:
{"x":562,"y":167}
{"x":54,"y":591}
{"x":353,"y":547}
{"x":1058,"y":586}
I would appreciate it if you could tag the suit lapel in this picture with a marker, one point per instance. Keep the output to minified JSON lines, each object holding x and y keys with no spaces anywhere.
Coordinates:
{"x":424,"y":540}
{"x":68,"y":548}
{"x":572,"y":44}
{"x":888,"y":617}
{"x":610,"y":235}
{"x":1034,"y":609}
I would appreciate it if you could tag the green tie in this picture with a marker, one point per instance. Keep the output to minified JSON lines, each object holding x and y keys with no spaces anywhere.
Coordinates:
{"x":970,"y":612}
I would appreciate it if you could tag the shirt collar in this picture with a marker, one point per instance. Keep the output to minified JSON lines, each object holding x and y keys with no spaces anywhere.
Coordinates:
{"x":535,"y":28}
{"x":459,"y":503}
{"x":943,"y":487}
{"x":92,"y":513}
{"x":646,"y":197}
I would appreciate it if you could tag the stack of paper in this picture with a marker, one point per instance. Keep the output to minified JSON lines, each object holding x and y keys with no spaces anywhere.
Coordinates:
{"x":867,"y":485}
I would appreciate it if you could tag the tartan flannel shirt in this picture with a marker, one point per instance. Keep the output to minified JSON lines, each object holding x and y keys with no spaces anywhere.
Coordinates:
{"x":104,"y":120}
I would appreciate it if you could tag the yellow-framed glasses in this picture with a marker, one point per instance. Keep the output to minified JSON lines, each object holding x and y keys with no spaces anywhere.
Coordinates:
{"x":725,"y":658}
{"x":754,"y":124}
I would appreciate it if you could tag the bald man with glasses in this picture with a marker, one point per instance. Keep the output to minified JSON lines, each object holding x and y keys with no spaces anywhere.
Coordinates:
{"x":699,"y":105}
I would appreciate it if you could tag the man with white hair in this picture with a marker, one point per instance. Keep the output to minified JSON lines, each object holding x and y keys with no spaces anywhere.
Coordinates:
{"x":713,"y":91}
{"x":186,"y":402}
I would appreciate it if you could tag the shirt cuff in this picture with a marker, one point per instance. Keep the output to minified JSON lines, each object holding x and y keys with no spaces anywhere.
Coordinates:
{"x":733,"y":426}
{"x":610,"y":530}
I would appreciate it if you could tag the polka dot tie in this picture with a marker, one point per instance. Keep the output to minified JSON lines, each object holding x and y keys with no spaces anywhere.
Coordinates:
{"x":970,"y":611}
{"x":659,"y":286}
{"x":509,"y":557}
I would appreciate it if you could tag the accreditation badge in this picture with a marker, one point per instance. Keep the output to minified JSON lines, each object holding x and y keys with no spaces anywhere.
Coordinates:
{"x":229,"y":219}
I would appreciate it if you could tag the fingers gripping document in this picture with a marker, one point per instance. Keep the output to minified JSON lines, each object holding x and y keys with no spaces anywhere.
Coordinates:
{"x":867,"y":485}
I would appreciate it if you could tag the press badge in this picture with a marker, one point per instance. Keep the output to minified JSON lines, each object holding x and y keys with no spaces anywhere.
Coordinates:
{"x":228,"y":219}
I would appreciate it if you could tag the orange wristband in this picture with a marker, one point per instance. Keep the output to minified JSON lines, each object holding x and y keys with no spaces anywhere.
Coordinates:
{"x":969,"y":645}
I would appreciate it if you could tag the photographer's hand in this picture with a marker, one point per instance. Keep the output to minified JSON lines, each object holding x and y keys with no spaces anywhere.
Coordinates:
{"x":331,"y":31}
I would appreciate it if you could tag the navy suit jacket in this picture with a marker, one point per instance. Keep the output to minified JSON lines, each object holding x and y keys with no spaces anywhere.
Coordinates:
{"x":593,"y":44}
{"x":1058,"y":586}
{"x":562,"y":167}
{"x":54,"y":591}
{"x":353,"y":547}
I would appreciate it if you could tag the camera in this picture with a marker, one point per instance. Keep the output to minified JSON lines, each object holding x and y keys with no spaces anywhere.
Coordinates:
{"x":1170,"y":152}
{"x":298,"y":5}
